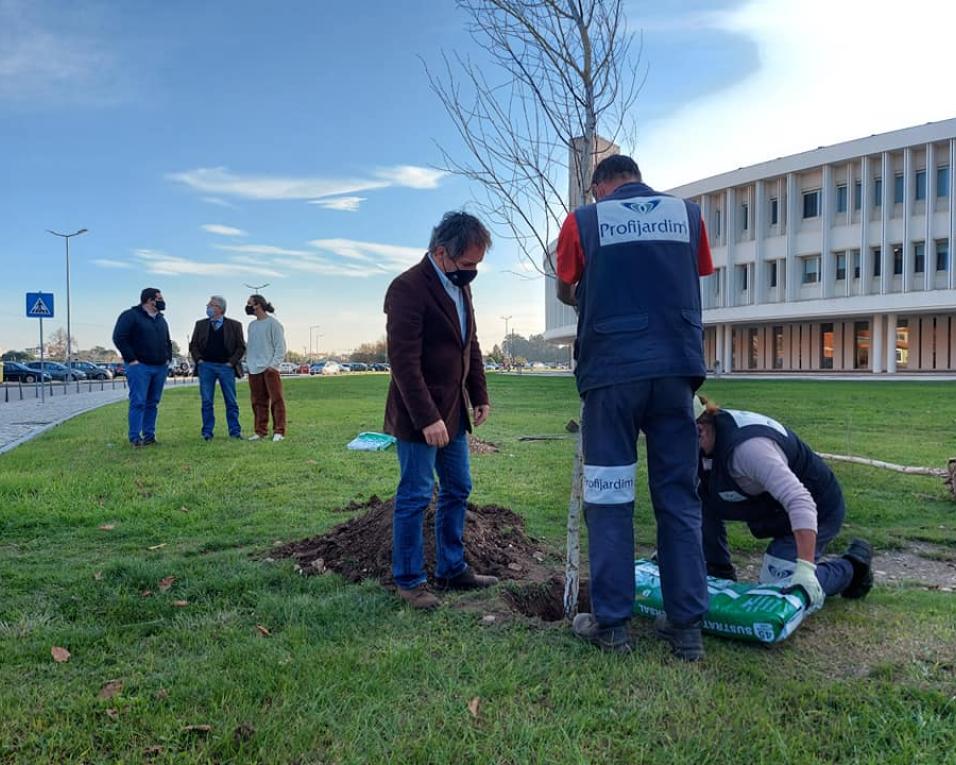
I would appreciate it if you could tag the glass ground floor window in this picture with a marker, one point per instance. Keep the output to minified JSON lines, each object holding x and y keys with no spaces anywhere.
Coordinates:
{"x":778,"y":347}
{"x":861,"y":344}
{"x":902,"y":343}
{"x":826,"y":346}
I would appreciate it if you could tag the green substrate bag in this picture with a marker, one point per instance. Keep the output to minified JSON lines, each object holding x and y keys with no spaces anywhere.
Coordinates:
{"x":759,"y":613}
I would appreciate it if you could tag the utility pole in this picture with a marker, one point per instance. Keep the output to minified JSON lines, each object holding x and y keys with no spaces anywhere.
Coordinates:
{"x":69,"y":333}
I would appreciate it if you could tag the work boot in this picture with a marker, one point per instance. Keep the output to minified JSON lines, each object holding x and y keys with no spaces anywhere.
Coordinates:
{"x":419,"y":597}
{"x":466,"y":580}
{"x":860,"y":554}
{"x":686,"y":642}
{"x":612,"y":639}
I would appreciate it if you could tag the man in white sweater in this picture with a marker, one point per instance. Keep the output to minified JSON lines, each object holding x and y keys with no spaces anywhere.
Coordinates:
{"x":264,"y":352}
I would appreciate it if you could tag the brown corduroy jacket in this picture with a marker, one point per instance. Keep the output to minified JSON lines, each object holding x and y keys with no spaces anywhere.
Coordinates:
{"x":233,"y":339}
{"x":435,"y":374}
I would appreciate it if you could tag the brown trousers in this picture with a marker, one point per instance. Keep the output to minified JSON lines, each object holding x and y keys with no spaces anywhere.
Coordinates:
{"x":266,"y":391}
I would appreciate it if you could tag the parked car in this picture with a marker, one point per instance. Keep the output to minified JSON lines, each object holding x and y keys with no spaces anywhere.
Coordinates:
{"x":58,"y":371}
{"x":287,"y":368}
{"x":491,"y":366}
{"x":14,"y":371}
{"x":358,"y":366}
{"x":331,"y":368}
{"x":180,"y":368}
{"x":344,"y":366}
{"x":303,"y":369}
{"x":91,"y":370}
{"x":379,"y":366}
{"x":116,"y":367}
{"x":316,"y":368}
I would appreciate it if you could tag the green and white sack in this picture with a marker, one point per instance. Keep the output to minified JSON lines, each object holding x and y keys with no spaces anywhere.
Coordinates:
{"x":759,"y":613}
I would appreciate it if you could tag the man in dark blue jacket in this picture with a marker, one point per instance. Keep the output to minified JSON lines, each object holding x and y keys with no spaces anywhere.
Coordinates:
{"x":631,"y":262}
{"x":142,"y":337}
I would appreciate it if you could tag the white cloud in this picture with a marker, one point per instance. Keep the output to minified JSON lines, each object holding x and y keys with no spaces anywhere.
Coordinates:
{"x":157,"y":262}
{"x":348,"y":204}
{"x":389,"y":257}
{"x":218,"y":180}
{"x":216,"y":228}
{"x":37,"y":63}
{"x":316,"y":264}
{"x":108,"y":263}
{"x":828,"y":72}
{"x":259,"y":249}
{"x":217,"y":201}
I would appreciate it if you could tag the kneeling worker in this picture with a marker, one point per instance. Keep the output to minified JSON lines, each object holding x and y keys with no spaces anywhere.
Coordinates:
{"x":753,"y":469}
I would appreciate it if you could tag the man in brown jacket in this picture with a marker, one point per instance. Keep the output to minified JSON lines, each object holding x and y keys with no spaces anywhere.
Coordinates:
{"x":217,"y":348}
{"x":437,"y":376}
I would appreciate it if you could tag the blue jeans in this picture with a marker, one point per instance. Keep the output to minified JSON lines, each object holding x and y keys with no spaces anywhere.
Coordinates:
{"x":418,"y":463}
{"x":209,"y":372}
{"x":612,"y":418}
{"x":145,"y":383}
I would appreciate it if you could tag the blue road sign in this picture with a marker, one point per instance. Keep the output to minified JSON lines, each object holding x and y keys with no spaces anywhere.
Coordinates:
{"x":39,"y":305}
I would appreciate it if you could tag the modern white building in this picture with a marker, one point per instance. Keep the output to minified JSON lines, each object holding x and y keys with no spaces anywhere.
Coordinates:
{"x":840,"y":259}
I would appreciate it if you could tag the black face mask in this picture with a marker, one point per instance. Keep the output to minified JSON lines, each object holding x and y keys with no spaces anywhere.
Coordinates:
{"x":462,"y":276}
{"x":250,"y":310}
{"x":160,"y":305}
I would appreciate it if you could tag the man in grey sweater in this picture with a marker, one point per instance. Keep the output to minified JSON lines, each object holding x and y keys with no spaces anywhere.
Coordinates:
{"x":264,"y":352}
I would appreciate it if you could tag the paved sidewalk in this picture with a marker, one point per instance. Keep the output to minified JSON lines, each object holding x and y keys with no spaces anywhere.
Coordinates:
{"x":22,"y":420}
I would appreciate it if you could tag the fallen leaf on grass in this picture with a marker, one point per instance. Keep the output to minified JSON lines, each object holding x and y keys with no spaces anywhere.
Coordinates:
{"x":244,"y":732}
{"x":97,"y":575}
{"x":146,"y":593}
{"x":183,"y":509}
{"x":473,"y":706}
{"x":311,"y":462}
{"x":197,"y":728}
{"x":180,"y":603}
{"x":162,"y":693}
{"x":60,"y":655}
{"x":264,"y":631}
{"x":113,"y":714}
{"x":166,"y":582}
{"x":107,"y":527}
{"x":156,"y":547}
{"x":152,"y":751}
{"x":110,"y":689}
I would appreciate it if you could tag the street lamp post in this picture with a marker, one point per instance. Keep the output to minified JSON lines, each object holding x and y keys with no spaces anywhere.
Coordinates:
{"x":314,"y":326}
{"x":69,"y":334}
{"x":505,"y":343}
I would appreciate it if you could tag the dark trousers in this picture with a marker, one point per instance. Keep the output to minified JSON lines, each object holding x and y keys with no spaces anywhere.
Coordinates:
{"x":613,"y":417}
{"x":265,"y":390}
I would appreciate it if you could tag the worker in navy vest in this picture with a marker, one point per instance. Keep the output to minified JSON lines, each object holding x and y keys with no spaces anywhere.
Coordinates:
{"x":631,"y":262}
{"x":755,"y":470}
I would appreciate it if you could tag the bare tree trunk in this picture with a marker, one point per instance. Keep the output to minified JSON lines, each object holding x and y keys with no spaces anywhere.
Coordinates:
{"x":572,"y":569}
{"x":938,"y":472}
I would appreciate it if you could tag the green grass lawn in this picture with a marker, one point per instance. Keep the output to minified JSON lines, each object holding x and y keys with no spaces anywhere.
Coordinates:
{"x":348,"y":675}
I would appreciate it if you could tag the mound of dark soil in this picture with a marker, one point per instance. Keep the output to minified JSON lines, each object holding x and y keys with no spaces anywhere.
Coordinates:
{"x":361,"y":548}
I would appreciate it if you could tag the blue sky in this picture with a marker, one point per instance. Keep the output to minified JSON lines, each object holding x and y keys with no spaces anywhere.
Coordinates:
{"x":206,"y":145}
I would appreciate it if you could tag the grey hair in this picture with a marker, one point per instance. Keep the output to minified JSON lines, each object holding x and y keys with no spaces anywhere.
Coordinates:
{"x":219,"y":299}
{"x":457,"y":232}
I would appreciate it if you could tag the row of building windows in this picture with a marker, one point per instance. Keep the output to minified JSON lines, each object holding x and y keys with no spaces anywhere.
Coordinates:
{"x":810,"y":266}
{"x":812,"y":207}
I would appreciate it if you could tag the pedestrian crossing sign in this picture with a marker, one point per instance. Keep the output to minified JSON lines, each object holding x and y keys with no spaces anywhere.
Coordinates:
{"x":40,"y":305}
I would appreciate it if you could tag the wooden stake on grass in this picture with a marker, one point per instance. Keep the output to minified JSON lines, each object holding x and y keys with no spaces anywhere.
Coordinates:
{"x":572,"y":567}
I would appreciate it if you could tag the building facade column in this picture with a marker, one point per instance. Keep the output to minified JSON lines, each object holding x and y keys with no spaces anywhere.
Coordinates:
{"x":929,"y":246}
{"x":866,"y":268}
{"x":886,"y":257}
{"x":730,"y":205}
{"x":758,"y":290}
{"x":952,"y":213}
{"x":827,"y":267}
{"x":876,"y":342}
{"x":909,"y":273}
{"x":891,"y":343}
{"x":792,"y":278}
{"x":728,"y":364}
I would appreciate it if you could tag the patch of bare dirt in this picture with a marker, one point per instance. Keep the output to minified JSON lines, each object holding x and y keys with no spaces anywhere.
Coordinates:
{"x":361,"y":548}
{"x":479,"y":446}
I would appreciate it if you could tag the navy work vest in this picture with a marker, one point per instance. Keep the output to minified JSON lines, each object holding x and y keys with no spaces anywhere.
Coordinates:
{"x":722,"y":496}
{"x":639,"y":295}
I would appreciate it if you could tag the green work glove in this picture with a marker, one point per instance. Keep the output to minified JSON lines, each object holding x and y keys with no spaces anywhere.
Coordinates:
{"x":805,"y":577}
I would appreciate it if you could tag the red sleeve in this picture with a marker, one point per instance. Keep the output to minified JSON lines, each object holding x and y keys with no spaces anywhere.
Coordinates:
{"x":570,"y":264}
{"x":705,"y":265}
